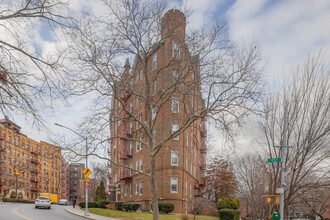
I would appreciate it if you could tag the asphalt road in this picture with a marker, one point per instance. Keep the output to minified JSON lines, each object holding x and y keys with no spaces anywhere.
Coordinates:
{"x":20,"y":211}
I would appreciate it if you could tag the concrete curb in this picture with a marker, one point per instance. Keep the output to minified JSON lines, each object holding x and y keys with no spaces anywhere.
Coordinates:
{"x":77,"y":214}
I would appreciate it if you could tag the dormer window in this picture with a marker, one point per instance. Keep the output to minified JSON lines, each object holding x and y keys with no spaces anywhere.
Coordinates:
{"x":176,"y":50}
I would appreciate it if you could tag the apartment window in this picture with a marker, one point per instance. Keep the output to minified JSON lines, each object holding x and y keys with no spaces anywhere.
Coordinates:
{"x":137,"y":165}
{"x":187,"y":141}
{"x":136,"y":188}
{"x":137,"y":145}
{"x":141,"y":72}
{"x":187,"y":164}
{"x":176,"y":50}
{"x":175,"y":105}
{"x":190,"y":190}
{"x":126,"y":190}
{"x":154,"y":61}
{"x":175,"y":75}
{"x":174,"y":158}
{"x":140,"y":188}
{"x":9,"y":139}
{"x":174,"y":184}
{"x":131,"y":147}
{"x":130,"y":190}
{"x":175,"y":127}
{"x":131,"y":106}
{"x":154,"y":86}
{"x":153,"y":113}
{"x":141,"y":164}
{"x":9,"y":150}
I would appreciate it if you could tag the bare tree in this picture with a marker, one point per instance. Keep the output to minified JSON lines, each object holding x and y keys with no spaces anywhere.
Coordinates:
{"x":28,"y":73}
{"x":307,"y":98}
{"x":213,"y":80}
{"x":253,"y":184}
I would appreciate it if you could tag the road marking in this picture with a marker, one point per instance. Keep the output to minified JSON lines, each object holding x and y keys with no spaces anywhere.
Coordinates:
{"x":19,"y":214}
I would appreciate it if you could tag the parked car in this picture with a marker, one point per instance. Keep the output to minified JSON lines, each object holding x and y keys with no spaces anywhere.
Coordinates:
{"x":42,"y":202}
{"x":63,"y":202}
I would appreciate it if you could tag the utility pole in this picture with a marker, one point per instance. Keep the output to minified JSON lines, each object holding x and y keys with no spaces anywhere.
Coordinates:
{"x":284,"y":146}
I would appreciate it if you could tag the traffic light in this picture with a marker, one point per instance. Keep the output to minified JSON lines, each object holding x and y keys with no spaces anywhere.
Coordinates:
{"x":273,"y":199}
{"x":17,"y":172}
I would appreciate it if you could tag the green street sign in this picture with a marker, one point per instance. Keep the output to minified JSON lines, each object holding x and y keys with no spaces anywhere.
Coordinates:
{"x":272,"y":160}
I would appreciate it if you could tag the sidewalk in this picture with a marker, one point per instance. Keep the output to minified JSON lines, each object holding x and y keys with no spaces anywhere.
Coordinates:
{"x":77,"y":211}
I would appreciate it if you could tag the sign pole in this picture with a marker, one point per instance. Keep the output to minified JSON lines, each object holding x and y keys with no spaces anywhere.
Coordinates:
{"x":86,"y":189}
{"x":283,"y":164}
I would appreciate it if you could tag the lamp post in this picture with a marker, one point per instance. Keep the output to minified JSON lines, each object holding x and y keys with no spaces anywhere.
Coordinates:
{"x":86,"y":189}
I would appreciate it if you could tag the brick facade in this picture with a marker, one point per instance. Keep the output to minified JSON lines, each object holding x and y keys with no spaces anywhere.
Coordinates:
{"x":38,"y":163}
{"x":185,"y":176}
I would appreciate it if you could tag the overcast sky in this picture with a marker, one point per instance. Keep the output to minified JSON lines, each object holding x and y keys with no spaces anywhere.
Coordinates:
{"x":288,"y":31}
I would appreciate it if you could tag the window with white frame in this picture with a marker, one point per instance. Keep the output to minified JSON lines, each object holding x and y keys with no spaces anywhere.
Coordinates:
{"x":154,"y":86}
{"x":175,"y":75}
{"x":131,"y":127}
{"x":141,"y":144}
{"x":153,"y":112}
{"x":174,"y":158}
{"x":131,"y":148}
{"x":174,"y":184}
{"x":154,"y":61}
{"x":137,"y":145}
{"x":140,"y":188}
{"x":141,"y":72}
{"x":137,"y":165}
{"x":136,"y":189}
{"x":130,"y":190}
{"x":175,"y":105}
{"x":190,"y":190}
{"x":187,"y":164}
{"x":176,"y":49}
{"x":141,"y":164}
{"x":175,"y":127}
{"x":186,"y":188}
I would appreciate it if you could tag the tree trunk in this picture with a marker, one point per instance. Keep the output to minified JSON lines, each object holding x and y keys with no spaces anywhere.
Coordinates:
{"x":154,"y":194}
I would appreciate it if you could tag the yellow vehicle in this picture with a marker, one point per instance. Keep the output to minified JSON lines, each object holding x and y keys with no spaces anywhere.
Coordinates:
{"x":52,"y":197}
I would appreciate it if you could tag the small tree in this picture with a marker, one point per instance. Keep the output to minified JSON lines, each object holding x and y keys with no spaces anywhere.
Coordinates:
{"x":100,"y":193}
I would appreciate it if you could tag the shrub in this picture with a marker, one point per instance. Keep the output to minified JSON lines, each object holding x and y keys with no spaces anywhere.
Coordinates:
{"x":166,"y":207}
{"x":111,"y":206}
{"x":229,"y":214}
{"x":90,"y":205}
{"x":17,"y":200}
{"x":134,"y":207}
{"x":126,"y":207}
{"x":119,"y":205}
{"x":103,"y":203}
{"x":229,"y":203}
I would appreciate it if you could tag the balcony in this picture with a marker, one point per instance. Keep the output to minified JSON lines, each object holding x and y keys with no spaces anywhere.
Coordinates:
{"x":126,"y":175}
{"x":34,"y":190}
{"x":202,"y":166}
{"x":35,"y":161}
{"x":203,"y":150}
{"x":2,"y":161}
{"x":1,"y":139}
{"x":2,"y":149}
{"x":128,"y":152}
{"x":196,"y":186}
{"x":122,"y":157}
{"x":35,"y":171}
{"x":127,"y":117}
{"x":34,"y":152}
{"x":34,"y":180}
{"x":126,"y":94}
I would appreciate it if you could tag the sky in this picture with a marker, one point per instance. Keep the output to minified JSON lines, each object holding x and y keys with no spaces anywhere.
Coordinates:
{"x":288,"y":31}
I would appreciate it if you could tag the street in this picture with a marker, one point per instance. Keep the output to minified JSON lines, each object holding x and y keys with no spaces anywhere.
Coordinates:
{"x":19,"y":211}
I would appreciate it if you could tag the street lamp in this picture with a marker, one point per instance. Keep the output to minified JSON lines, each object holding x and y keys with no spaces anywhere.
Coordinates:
{"x":86,"y":189}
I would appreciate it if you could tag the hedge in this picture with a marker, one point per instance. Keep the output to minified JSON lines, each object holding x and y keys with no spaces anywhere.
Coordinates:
{"x":17,"y":200}
{"x":90,"y":204}
{"x":166,"y":207}
{"x":130,"y":207}
{"x":229,"y":214}
{"x":229,"y":203}
{"x":103,"y":203}
{"x":119,"y":205}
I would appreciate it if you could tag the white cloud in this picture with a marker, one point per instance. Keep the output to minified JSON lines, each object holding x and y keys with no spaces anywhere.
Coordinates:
{"x":288,"y":31}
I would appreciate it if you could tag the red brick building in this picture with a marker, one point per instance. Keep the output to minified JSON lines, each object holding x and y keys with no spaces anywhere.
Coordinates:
{"x":181,"y":161}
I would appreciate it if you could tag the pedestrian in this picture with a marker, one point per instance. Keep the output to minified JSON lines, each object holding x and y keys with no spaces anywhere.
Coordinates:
{"x":74,"y":202}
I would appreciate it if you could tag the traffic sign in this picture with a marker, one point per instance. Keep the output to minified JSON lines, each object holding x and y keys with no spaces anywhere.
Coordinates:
{"x":17,"y":172}
{"x":86,"y":179}
{"x":273,"y":199}
{"x":88,"y":186}
{"x":272,"y":160}
{"x":87,"y":172}
{"x":279,"y":190}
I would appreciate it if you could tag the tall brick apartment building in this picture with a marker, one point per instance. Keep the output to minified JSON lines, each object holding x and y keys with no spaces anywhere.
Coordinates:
{"x":181,"y":161}
{"x":38,"y":163}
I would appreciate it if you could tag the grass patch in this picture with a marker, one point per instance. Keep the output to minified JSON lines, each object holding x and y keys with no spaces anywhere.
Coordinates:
{"x":141,"y":215}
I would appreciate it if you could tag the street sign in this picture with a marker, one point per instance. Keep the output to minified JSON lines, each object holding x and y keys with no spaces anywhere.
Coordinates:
{"x":88,"y":186}
{"x":87,"y":172}
{"x":106,"y":192}
{"x":86,"y":179}
{"x":272,"y":160}
{"x":17,"y":172}
{"x":279,"y":190}
{"x":273,"y":199}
